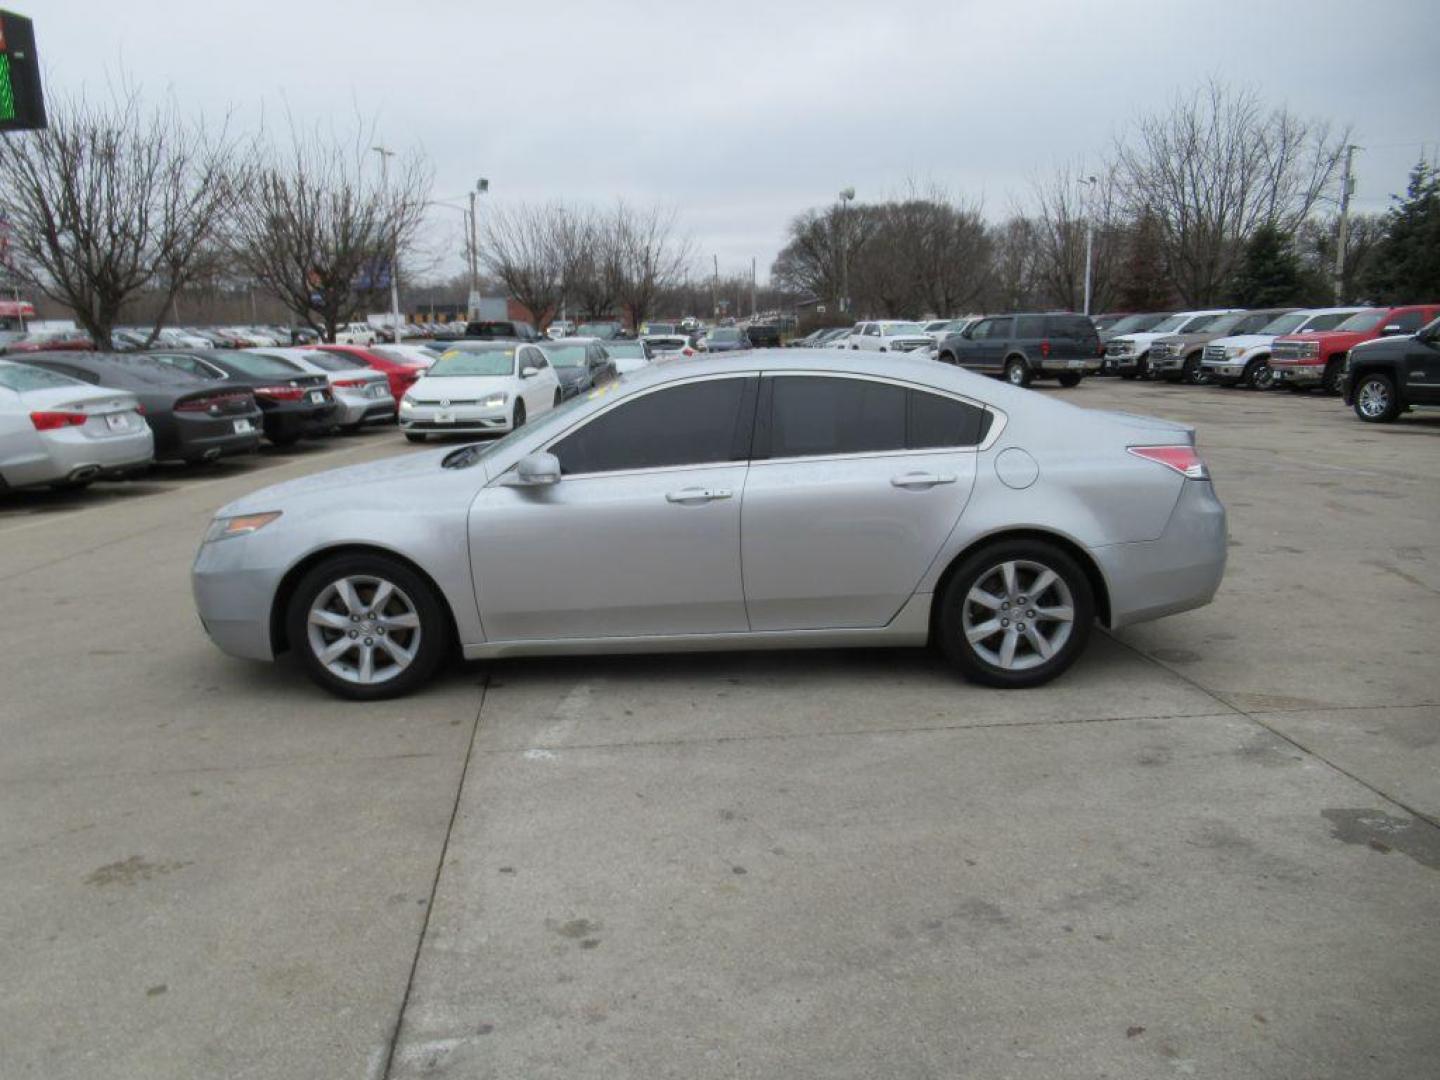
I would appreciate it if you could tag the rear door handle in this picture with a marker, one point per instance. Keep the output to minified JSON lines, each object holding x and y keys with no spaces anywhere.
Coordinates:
{"x":921,"y":479}
{"x":698,"y":495}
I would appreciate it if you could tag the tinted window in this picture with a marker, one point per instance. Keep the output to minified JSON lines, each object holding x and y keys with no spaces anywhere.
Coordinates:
{"x":695,"y":424}
{"x":1000,"y":328}
{"x":1030,"y":327}
{"x":326,"y":361}
{"x":941,"y":421}
{"x":1408,"y":322}
{"x":1070,"y":328}
{"x":264,"y":366}
{"x":811,"y":416}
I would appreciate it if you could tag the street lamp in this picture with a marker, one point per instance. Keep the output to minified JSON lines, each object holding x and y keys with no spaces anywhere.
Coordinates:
{"x":847,"y":195}
{"x":1089,"y":182}
{"x":385,"y":156}
{"x":473,"y":308}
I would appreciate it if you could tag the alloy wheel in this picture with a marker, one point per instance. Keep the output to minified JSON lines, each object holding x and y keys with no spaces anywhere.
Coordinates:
{"x":1018,"y":615}
{"x":364,"y":629}
{"x":1373,"y":401}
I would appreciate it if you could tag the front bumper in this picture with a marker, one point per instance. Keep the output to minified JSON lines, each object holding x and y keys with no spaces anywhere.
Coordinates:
{"x":459,"y":420}
{"x":1179,"y":571}
{"x":1225,"y":369}
{"x":233,"y":599}
{"x":1298,"y":373}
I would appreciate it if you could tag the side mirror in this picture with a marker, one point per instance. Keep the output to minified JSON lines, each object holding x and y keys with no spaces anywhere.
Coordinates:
{"x":529,"y":372}
{"x":536,"y":470}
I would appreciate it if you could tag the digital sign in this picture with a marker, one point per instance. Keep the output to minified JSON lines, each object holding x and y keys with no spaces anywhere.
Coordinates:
{"x":22,"y":103}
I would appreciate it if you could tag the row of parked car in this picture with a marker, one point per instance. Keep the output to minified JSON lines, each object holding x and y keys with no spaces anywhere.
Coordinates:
{"x":1383,"y":360}
{"x":71,"y":417}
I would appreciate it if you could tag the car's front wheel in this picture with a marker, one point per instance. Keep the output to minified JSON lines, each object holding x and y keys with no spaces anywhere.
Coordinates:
{"x":519,"y":419}
{"x":1015,"y":614}
{"x":367,"y":627}
{"x":1375,"y":399}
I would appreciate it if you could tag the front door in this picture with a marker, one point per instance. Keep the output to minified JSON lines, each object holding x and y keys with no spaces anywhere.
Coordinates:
{"x":641,"y":536}
{"x":855,"y":485}
{"x":1422,"y":370}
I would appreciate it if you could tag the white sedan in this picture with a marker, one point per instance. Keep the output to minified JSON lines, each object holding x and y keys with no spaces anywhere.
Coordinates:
{"x":59,"y":431}
{"x":480,"y":387}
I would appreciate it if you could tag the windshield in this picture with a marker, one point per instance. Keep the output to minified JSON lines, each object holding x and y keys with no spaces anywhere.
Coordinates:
{"x":1222,"y":324}
{"x":1363,"y":320}
{"x":458,"y":363}
{"x":263,"y":365}
{"x":566,"y":356}
{"x":724,"y":335}
{"x":893,"y":328}
{"x":21,"y":377}
{"x":406,"y":356}
{"x":1197,"y":323}
{"x":1283,"y":324}
{"x":661,"y":328}
{"x":635,"y":350}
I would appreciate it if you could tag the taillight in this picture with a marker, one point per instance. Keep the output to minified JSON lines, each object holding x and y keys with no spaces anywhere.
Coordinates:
{"x":50,"y":421}
{"x":1183,"y":459}
{"x":349,"y":384}
{"x":280,"y":393}
{"x":1044,"y":348}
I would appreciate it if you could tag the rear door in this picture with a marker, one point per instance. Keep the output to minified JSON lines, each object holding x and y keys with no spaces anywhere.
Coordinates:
{"x":854,"y":485}
{"x":1422,"y":368}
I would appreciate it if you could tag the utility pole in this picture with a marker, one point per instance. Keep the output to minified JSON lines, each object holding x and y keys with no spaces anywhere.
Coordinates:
{"x":1347,"y":188}
{"x":473,"y":307}
{"x":1089,"y":183}
{"x":753,"y":310}
{"x":715,"y":290}
{"x":385,"y":156}
{"x":846,"y":195}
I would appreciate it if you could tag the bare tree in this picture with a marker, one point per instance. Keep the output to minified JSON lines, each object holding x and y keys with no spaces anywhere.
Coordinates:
{"x":112,"y":200}
{"x":321,"y":230}
{"x":650,"y":256}
{"x":592,"y":263}
{"x":1214,"y":168}
{"x":824,"y":249}
{"x":1069,"y":204}
{"x":526,"y":250}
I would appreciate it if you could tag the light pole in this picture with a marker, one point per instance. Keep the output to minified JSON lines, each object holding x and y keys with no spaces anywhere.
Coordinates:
{"x":473,"y":308}
{"x":385,"y":156}
{"x":1347,"y":188}
{"x":469,"y":247}
{"x":1089,"y":182}
{"x":846,"y":196}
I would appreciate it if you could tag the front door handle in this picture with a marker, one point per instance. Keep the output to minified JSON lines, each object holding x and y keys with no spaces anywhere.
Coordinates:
{"x":921,"y":479}
{"x":698,"y":495}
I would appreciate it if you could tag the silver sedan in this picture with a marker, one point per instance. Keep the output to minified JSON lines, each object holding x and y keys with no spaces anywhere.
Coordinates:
{"x":770,"y":500}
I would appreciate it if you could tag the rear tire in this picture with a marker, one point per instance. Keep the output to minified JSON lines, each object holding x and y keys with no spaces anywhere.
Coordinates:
{"x":1017,"y":372}
{"x":963,"y":621}
{"x":1192,"y":372}
{"x":411,"y":436}
{"x":1334,"y":381}
{"x":428,"y":639}
{"x":1069,"y":379}
{"x":1375,"y":399}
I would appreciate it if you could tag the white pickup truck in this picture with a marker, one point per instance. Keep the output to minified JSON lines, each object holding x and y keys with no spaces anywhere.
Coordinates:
{"x":356,"y":333}
{"x":886,"y":336}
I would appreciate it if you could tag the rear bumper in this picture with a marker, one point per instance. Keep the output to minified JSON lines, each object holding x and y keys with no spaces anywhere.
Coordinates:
{"x":1069,"y":366}
{"x":60,"y":455}
{"x":211,"y":437}
{"x":299,"y":421}
{"x":1179,"y":571}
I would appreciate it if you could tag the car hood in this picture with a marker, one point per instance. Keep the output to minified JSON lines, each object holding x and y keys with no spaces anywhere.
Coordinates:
{"x":1331,"y":337}
{"x":460,"y":387}
{"x":374,"y":476}
{"x":1244,"y":341}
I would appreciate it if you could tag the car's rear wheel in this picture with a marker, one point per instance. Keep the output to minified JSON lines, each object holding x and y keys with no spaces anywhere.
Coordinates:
{"x":1334,"y":382}
{"x":1016,"y":613}
{"x":414,"y":436}
{"x":1193,"y":373}
{"x":367,"y":627}
{"x":1069,"y":379}
{"x":1375,"y":399}
{"x":557,"y":398}
{"x":1017,"y":372}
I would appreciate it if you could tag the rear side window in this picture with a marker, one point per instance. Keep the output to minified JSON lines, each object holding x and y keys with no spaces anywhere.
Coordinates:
{"x":1408,"y":321}
{"x":1030,"y":327}
{"x":1069,"y":328}
{"x":699,"y":423}
{"x":813,"y":417}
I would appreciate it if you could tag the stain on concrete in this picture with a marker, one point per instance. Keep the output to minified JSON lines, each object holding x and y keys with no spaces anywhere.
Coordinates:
{"x":1134,"y":1030}
{"x":1218,"y":836}
{"x":131,"y":870}
{"x":1177,"y":656}
{"x":575,"y":928}
{"x":156,"y":991}
{"x":1262,"y":702}
{"x":981,"y":913}
{"x":1383,"y":833}
{"x":1265,"y":748}
{"x":1154,"y":755}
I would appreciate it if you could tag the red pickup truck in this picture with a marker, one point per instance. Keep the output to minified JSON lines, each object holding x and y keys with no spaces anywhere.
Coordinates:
{"x":1318,"y":359}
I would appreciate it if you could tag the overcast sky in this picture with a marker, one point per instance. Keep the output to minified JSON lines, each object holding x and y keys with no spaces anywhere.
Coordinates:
{"x":741,"y":114}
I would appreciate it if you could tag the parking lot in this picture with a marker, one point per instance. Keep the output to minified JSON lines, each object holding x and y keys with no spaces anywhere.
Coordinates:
{"x":1210,"y":849}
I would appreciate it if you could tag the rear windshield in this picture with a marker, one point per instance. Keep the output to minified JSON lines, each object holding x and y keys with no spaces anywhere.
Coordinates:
{"x":1077,"y":329}
{"x":566,"y":356}
{"x":462,"y":362}
{"x":327,"y":361}
{"x":21,"y":377}
{"x":1363,"y":320}
{"x":724,"y":335}
{"x":490,"y":330}
{"x":147,"y":370}
{"x":892,"y":329}
{"x":401,"y":356}
{"x":265,"y":366}
{"x":635,"y":350}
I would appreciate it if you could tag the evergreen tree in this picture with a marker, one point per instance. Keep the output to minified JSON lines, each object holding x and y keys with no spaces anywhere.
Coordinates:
{"x":1141,"y":281}
{"x":1269,"y":274}
{"x":1406,"y":268}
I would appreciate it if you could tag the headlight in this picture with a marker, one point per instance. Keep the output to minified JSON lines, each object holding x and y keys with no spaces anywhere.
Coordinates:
{"x":224,"y":528}
{"x":1232,"y":351}
{"x":406,"y":404}
{"x":494,"y":401}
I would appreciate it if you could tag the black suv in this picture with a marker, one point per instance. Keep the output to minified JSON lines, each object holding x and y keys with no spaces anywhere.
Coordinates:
{"x":1385,"y":377}
{"x":1026,"y":347}
{"x":501,"y":330}
{"x":762,"y":336}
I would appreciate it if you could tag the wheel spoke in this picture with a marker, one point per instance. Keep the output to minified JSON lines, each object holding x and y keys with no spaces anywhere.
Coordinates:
{"x":1007,"y":572}
{"x":984,"y":598}
{"x":1043,"y":581}
{"x":332,"y":619}
{"x":1007,"y":650}
{"x":405,"y":621}
{"x":983,"y":631}
{"x":1063,"y":613}
{"x":1039,"y":642}
{"x":367,"y":663}
{"x":382,"y":596}
{"x":336,"y":649}
{"x":398,"y":653}
{"x":346,"y":592}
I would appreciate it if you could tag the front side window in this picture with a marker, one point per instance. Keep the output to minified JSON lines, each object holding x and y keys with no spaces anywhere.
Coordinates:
{"x":698,"y":423}
{"x":1000,"y":328}
{"x":981,"y":330}
{"x":1030,"y":327}
{"x":1408,"y":321}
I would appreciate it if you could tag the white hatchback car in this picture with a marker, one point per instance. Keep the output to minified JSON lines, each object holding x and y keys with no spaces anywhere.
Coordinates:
{"x":480,"y":387}
{"x":59,"y":431}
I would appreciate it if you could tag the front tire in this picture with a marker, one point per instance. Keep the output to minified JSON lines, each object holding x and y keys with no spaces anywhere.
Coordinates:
{"x":367,"y":627}
{"x":1015,"y":614}
{"x":1017,"y":372}
{"x":519,"y":418}
{"x":1258,"y":375}
{"x":1375,"y":399}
